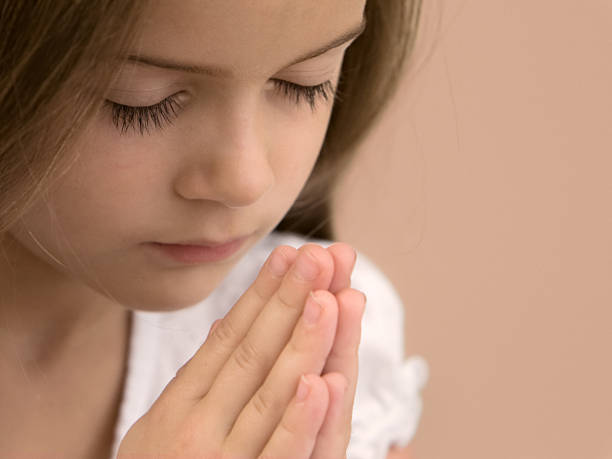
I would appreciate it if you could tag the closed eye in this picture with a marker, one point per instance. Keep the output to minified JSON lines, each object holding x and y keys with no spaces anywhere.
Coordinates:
{"x":311,"y":94}
{"x":139,"y":118}
{"x":163,"y":113}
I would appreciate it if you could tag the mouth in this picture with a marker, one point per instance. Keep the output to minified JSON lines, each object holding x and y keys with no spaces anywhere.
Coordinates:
{"x":200,"y":251}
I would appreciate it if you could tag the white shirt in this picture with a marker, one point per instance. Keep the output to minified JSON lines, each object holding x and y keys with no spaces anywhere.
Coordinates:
{"x":387,"y":403}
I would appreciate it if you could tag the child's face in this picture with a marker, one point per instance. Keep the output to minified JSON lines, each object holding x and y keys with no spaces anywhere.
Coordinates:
{"x":231,"y":163}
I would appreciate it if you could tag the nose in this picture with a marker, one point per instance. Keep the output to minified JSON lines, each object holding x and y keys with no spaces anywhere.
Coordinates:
{"x":230,"y":165}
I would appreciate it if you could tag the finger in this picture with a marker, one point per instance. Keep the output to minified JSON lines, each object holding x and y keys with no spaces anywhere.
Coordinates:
{"x":195,"y":377}
{"x":344,"y":261}
{"x":295,"y":435}
{"x":249,"y":364}
{"x":213,"y":326}
{"x":343,"y":357}
{"x":305,"y":353}
{"x":335,"y":432}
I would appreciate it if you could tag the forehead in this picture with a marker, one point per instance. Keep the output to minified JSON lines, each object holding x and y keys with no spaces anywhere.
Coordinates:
{"x":247,"y":36}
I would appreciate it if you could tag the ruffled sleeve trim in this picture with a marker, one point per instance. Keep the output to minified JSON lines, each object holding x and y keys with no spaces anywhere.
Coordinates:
{"x":390,"y":414}
{"x":388,"y":401}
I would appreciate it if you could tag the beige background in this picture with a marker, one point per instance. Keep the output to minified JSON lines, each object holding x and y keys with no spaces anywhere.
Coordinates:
{"x":485,"y":194}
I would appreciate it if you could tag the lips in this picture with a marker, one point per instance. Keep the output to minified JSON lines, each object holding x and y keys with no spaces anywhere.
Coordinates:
{"x":205,"y":242}
{"x":200,"y":250}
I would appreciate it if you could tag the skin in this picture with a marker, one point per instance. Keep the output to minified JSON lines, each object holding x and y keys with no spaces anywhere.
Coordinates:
{"x":231,"y":164}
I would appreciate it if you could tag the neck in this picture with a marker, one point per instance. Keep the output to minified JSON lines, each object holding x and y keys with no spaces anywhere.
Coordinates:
{"x":47,"y":317}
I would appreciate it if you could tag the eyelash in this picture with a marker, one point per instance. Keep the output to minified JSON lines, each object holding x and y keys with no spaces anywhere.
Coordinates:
{"x":310,"y":93}
{"x":163,"y":113}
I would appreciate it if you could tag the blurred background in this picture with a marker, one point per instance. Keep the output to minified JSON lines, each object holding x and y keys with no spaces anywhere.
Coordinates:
{"x":488,"y":189}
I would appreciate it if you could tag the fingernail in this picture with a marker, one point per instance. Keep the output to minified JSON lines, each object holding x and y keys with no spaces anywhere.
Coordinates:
{"x":305,"y":267}
{"x":303,"y":390}
{"x":312,"y":310}
{"x":278,"y":264}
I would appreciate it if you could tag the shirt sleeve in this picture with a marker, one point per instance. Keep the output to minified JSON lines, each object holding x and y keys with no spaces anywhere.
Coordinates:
{"x":388,"y":402}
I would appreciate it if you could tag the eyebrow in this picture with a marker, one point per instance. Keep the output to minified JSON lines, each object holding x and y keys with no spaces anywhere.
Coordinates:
{"x":221,"y":72}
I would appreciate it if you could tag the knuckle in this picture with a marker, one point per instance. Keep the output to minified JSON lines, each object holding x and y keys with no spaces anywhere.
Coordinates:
{"x":224,"y":333}
{"x":263,"y":402}
{"x":285,"y":302}
{"x":247,"y":356}
{"x":289,"y":427}
{"x":260,"y":295}
{"x":193,"y":440}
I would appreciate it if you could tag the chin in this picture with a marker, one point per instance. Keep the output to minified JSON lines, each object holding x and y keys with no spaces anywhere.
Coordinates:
{"x":165,"y":303}
{"x":159,"y":297}
{"x":166,"y":290}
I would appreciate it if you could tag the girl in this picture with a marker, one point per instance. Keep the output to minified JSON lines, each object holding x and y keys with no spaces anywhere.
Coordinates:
{"x":161,"y":162}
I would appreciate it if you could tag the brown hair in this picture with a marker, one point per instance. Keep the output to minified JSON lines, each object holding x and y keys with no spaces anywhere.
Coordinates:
{"x":53,"y":68}
{"x":370,"y":74}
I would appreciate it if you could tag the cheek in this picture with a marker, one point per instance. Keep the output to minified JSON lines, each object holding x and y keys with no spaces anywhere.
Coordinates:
{"x":102,"y":196}
{"x":297,"y":148}
{"x":116,"y":192}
